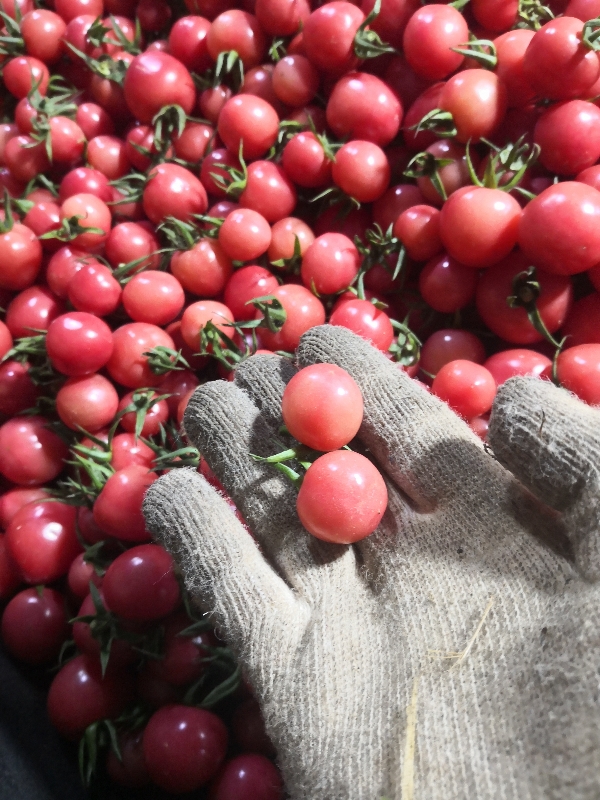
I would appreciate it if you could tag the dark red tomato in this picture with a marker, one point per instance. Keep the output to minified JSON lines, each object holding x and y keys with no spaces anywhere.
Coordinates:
{"x":128,"y":365}
{"x":43,"y":541}
{"x":87,"y":403}
{"x":245,"y":285}
{"x":342,"y":497}
{"x":268,"y":191}
{"x":140,"y":584}
{"x":295,"y":80}
{"x":173,"y":191}
{"x":590,"y":176}
{"x":418,"y":228}
{"x":508,"y":363}
{"x":187,"y":43}
{"x":361,"y":170}
{"x":140,"y":147}
{"x":10,"y":576}
{"x":80,"y":695}
{"x":397,"y":199}
{"x":177,"y":384}
{"x":212,"y":100}
{"x":21,"y":74}
{"x":67,"y":140}
{"x":582,"y":325}
{"x":249,"y":776}
{"x":362,"y":106}
{"x":429,"y":37}
{"x":495,"y":15}
{"x":198,"y":314}
{"x":92,"y":213}
{"x":133,"y":241}
{"x":81,"y":573}
{"x":282,"y":17}
{"x":559,"y":230}
{"x":194,"y":141}
{"x":569,"y":136}
{"x":153,"y":16}
{"x":69,"y":9}
{"x":322,"y":407}
{"x":34,"y":625}
{"x":32,"y":310}
{"x":248,"y":727}
{"x":583,"y":9}
{"x":25,"y":158}
{"x":130,"y":770}
{"x":154,"y":80}
{"x":20,"y":258}
{"x":237,"y":30}
{"x":468,"y":388}
{"x":14,"y":499}
{"x":479,"y":226}
{"x":510,"y":51}
{"x":185,"y":655}
{"x":62,"y":266}
{"x":156,"y":693}
{"x":305,"y":162}
{"x":78,"y":343}
{"x":366,"y":320}
{"x":249,"y":121}
{"x":330,"y":264}
{"x":288,"y":235}
{"x":118,"y":507}
{"x":245,"y":235}
{"x":557,"y":64}
{"x":215,"y":165}
{"x":512,"y":324}
{"x":477,"y":100}
{"x":328,"y":36}
{"x":17,"y":390}
{"x":127,"y":450}
{"x":453,"y":175}
{"x":155,"y":297}
{"x":154,"y":417}
{"x":303,"y":311}
{"x":578,"y":370}
{"x":94,"y":120}
{"x":30,"y":453}
{"x":448,"y":345}
{"x":184,"y":747}
{"x":351,"y":224}
{"x":93,"y":289}
{"x":446,"y":284}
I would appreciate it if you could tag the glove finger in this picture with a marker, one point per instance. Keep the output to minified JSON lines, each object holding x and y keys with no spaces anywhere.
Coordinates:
{"x":410,"y":432}
{"x":226,"y":426}
{"x":222,"y":566}
{"x":550,"y":441}
{"x":264,"y":378}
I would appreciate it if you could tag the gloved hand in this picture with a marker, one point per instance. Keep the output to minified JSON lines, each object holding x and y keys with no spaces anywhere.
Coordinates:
{"x":455,"y":652}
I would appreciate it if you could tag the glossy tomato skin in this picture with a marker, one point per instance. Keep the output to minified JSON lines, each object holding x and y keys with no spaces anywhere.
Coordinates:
{"x":509,"y":363}
{"x":328,"y":36}
{"x":14,"y":499}
{"x":10,"y":576}
{"x":80,"y":695}
{"x":448,"y":345}
{"x":569,"y":136}
{"x":249,"y":776}
{"x":468,"y":388}
{"x":578,"y":370}
{"x":155,"y":297}
{"x":330,"y":264}
{"x":78,"y":343}
{"x":128,"y":365}
{"x":250,"y":121}
{"x":303,"y":310}
{"x":198,"y":314}
{"x":30,"y":453}
{"x":247,"y":284}
{"x":118,"y":507}
{"x":185,"y":656}
{"x":582,"y":325}
{"x":173,"y":191}
{"x":446,"y":284}
{"x":34,"y":625}
{"x":245,"y":235}
{"x":154,"y":80}
{"x":89,"y":402}
{"x":20,"y":258}
{"x":430,"y":35}
{"x":42,"y":541}
{"x":477,"y":100}
{"x":366,"y":320}
{"x":140,"y":584}
{"x":17,"y":390}
{"x":322,"y":407}
{"x":342,"y":497}
{"x":362,"y":106}
{"x":92,"y":213}
{"x":184,"y":747}
{"x":559,"y":230}
{"x":33,"y":309}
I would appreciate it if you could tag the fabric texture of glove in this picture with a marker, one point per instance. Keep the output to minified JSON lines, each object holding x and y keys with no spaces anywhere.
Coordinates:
{"x":455,"y":652}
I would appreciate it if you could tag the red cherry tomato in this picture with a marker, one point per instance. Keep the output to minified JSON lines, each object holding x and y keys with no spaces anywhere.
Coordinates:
{"x":578,"y":370}
{"x":30,"y":453}
{"x":366,"y":320}
{"x":429,"y":38}
{"x":154,"y":80}
{"x":508,"y":363}
{"x":448,"y":345}
{"x":468,"y":388}
{"x":78,"y":343}
{"x":303,"y":311}
{"x":249,"y":776}
{"x":330,"y":264}
{"x":118,"y":507}
{"x":34,"y":625}
{"x":128,"y":365}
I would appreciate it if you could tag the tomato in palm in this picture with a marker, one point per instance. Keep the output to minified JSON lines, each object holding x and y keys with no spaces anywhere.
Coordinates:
{"x":118,"y":507}
{"x":78,"y":343}
{"x":342,"y":497}
{"x":249,"y":776}
{"x":322,"y":407}
{"x":303,"y":311}
{"x":578,"y":370}
{"x":250,"y":121}
{"x":508,"y":363}
{"x":366,"y":320}
{"x":34,"y":625}
{"x":330,"y":264}
{"x":173,"y":191}
{"x":140,"y":584}
{"x":128,"y":364}
{"x":328,"y":36}
{"x":477,"y":100}
{"x":559,"y":230}
{"x":30,"y":453}
{"x":154,"y":80}
{"x":43,"y":541}
{"x":184,"y":747}
{"x":429,"y":37}
{"x":80,"y":695}
{"x":479,"y":226}
{"x":468,"y":388}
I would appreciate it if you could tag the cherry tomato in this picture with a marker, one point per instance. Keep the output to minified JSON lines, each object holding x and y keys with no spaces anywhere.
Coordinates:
{"x":268,"y":191}
{"x":578,"y":370}
{"x":282,"y":17}
{"x":34,"y":625}
{"x":155,"y":297}
{"x":245,"y":235}
{"x":10,"y":576}
{"x":130,"y":769}
{"x":448,"y":345}
{"x":361,"y":170}
{"x":20,"y":258}
{"x":154,"y":417}
{"x":508,"y":363}
{"x":237,"y":30}
{"x":155,"y":79}
{"x":468,"y":388}
{"x":248,"y":728}
{"x":305,"y":162}
{"x":342,"y":497}
{"x":17,"y":390}
{"x":78,"y":343}
{"x":118,"y":507}
{"x":569,"y":136}
{"x":328,"y":36}
{"x":248,"y":121}
{"x":198,"y":314}
{"x":93,"y":289}
{"x":330,"y":264}
{"x":477,"y":100}
{"x":446,"y":284}
{"x":32,"y":310}
{"x":303,"y":311}
{"x":418,"y":228}
{"x":42,"y":33}
{"x":245,"y":285}
{"x":173,"y":191}
{"x":91,"y":212}
{"x":128,"y":365}
{"x":188,"y":44}
{"x":88,"y":402}
{"x":30,"y":453}
{"x":429,"y":38}
{"x":249,"y":776}
{"x":582,"y":325}
{"x":366,"y":320}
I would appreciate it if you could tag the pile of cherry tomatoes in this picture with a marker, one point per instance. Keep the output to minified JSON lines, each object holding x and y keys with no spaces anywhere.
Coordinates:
{"x":185,"y":184}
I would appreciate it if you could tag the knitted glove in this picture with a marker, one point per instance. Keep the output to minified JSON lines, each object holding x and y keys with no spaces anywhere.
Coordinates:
{"x":455,"y":652}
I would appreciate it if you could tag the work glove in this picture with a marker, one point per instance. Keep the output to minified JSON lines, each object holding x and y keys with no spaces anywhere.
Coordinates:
{"x":455,"y":652}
